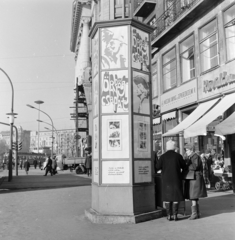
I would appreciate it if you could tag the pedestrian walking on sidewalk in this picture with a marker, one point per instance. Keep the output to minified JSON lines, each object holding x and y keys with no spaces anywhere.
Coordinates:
{"x":171,"y":163}
{"x":88,"y":160}
{"x":54,"y":165}
{"x":48,"y":167}
{"x":35,"y":163}
{"x":26,"y":166}
{"x":195,"y":187}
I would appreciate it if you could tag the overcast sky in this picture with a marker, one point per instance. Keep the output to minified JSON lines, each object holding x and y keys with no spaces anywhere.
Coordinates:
{"x":35,"y":53}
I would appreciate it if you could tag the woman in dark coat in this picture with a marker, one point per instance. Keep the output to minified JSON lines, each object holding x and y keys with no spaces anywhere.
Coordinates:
{"x":171,"y":163}
{"x":88,"y":160}
{"x":194,"y":188}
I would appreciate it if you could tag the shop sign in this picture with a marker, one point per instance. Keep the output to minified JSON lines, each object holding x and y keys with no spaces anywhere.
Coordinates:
{"x":178,"y":97}
{"x":218,"y":81}
{"x":224,"y":79}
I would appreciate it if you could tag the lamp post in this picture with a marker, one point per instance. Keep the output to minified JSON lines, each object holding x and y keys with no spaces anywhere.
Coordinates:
{"x":11,"y":118}
{"x":51,"y":124}
{"x":39,"y":102}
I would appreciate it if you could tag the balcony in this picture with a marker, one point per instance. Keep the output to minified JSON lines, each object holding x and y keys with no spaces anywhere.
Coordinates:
{"x":144,"y":7}
{"x":179,"y":15}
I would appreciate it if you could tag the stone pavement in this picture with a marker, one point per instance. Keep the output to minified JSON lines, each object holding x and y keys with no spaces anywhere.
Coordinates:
{"x":58,"y":213}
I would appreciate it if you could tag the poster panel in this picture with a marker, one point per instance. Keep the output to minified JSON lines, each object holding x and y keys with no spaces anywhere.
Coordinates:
{"x":95,"y":54}
{"x":95,"y":95}
{"x":141,"y":93}
{"x":142,"y":145}
{"x":95,"y":171}
{"x":114,"y":47}
{"x":96,"y":138}
{"x":115,"y":136}
{"x":142,"y":171}
{"x":114,"y":96}
{"x":115,"y":172}
{"x":140,"y":50}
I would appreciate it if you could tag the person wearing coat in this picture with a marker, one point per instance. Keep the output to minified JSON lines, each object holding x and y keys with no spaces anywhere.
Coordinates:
{"x":48,"y":167}
{"x":171,"y":163}
{"x":88,"y":161}
{"x":26,"y":166}
{"x":194,"y":188}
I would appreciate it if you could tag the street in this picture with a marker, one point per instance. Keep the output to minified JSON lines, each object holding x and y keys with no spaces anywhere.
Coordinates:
{"x":33,"y":212}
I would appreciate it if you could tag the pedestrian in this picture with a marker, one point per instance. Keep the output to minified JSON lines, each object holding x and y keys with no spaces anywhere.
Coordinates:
{"x":35,"y":163}
{"x":48,"y":167}
{"x":194,"y":187}
{"x":171,"y":163}
{"x":21,"y":163}
{"x":39,"y":164}
{"x":26,"y":166}
{"x":88,"y":160}
{"x":205,"y":171}
{"x":209,"y":163}
{"x":54,"y":165}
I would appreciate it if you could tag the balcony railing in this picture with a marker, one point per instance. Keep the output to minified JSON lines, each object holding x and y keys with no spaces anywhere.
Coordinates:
{"x":175,"y":9}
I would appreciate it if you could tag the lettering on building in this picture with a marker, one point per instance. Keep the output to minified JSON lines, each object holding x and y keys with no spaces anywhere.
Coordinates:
{"x":221,"y":81}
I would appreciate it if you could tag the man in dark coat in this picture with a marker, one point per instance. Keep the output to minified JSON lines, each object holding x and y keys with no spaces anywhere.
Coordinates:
{"x":26,"y":166}
{"x":48,"y":167}
{"x":171,"y":163}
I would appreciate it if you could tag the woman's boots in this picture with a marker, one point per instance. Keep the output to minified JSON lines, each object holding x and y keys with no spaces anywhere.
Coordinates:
{"x":168,"y":206}
{"x":194,"y":213}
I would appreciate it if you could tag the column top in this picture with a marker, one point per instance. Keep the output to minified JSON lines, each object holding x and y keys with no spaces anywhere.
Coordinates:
{"x":120,"y":22}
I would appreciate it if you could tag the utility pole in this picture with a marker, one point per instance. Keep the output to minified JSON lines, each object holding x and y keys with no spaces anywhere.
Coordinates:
{"x":76,"y":119}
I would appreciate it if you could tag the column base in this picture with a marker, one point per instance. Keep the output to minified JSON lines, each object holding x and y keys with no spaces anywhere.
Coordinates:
{"x":96,"y":217}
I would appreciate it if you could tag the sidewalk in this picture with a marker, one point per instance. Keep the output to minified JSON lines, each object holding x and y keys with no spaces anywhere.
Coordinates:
{"x":58,"y":214}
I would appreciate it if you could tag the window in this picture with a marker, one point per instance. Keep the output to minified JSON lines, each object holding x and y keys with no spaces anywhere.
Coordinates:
{"x":209,"y":53}
{"x":229,"y":25}
{"x":169,"y":70}
{"x":187,"y":61}
{"x":154,"y":80}
{"x":119,"y":11}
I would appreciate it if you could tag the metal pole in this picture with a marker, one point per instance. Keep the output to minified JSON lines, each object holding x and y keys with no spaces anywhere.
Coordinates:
{"x":17,"y":141}
{"x":11,"y":126}
{"x":76,"y":109}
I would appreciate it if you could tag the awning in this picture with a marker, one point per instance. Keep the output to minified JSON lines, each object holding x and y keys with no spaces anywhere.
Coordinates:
{"x":227,"y":126}
{"x":192,"y":118}
{"x":169,"y":115}
{"x":199,"y":127}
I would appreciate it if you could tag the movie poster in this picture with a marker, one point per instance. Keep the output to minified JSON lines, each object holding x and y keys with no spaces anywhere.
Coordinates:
{"x":95,"y":54}
{"x":140,"y":50}
{"x":114,"y":96}
{"x":95,"y":95}
{"x":115,"y":136}
{"x":114,"y":49}
{"x":142,"y":138}
{"x":141,"y":93}
{"x":96,"y":138}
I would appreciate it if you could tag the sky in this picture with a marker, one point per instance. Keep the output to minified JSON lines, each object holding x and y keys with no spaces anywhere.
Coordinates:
{"x":35,"y":54}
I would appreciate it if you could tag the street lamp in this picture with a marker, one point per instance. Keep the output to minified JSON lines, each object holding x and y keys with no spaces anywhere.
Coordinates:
{"x":11,"y":118}
{"x":39,"y":102}
{"x":51,"y":124}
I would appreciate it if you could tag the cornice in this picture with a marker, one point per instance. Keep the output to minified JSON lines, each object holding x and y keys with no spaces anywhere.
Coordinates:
{"x":120,"y":22}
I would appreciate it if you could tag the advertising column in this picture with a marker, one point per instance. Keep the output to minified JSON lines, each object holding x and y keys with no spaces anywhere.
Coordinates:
{"x":122,"y":183}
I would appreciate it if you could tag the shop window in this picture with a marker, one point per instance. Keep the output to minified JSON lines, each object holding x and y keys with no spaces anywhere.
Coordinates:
{"x":187,"y":60}
{"x":169,"y":70}
{"x":209,"y":53}
{"x":229,"y":25}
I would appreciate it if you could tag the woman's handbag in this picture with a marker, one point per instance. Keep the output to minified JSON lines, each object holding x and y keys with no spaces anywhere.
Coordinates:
{"x":188,"y":175}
